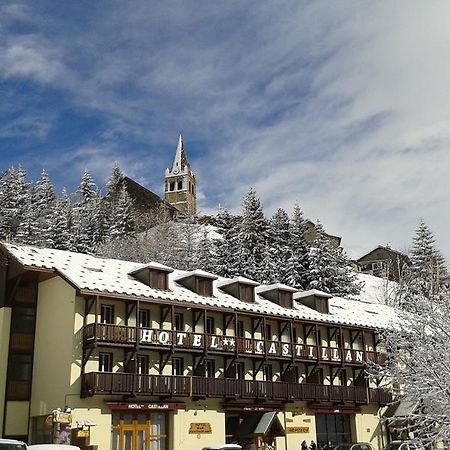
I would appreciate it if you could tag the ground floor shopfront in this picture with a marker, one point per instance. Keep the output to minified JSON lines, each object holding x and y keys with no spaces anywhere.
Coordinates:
{"x":194,"y":425}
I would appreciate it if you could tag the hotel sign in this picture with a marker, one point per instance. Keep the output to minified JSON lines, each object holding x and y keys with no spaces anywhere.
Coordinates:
{"x":180,"y":339}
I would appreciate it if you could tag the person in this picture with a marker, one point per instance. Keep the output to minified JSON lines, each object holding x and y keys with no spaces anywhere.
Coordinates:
{"x":312,"y":446}
{"x":304,"y":446}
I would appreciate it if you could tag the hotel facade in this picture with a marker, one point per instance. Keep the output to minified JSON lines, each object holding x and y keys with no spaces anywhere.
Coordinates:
{"x":146,"y":357}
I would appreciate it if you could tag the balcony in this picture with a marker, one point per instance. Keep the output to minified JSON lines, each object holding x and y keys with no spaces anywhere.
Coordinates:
{"x":123,"y":336}
{"x":129,"y":384}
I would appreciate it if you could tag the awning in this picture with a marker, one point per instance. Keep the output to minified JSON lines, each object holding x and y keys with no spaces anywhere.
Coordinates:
{"x":402,"y":409}
{"x":260,"y":424}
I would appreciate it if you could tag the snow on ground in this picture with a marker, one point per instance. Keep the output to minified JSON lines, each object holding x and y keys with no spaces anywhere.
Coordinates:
{"x":375,"y":289}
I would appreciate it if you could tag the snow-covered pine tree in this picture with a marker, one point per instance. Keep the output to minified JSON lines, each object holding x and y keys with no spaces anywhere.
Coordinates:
{"x":330,"y":269}
{"x":226,"y":261}
{"x":44,"y":203}
{"x":428,"y":271}
{"x":321,"y":262}
{"x":114,"y":183}
{"x":122,"y":222}
{"x":101,"y":220}
{"x":252,"y":237}
{"x":298,"y":262}
{"x":83,"y":213}
{"x":277,"y":251}
{"x":63,"y":223}
{"x":205,"y":252}
{"x":15,"y":197}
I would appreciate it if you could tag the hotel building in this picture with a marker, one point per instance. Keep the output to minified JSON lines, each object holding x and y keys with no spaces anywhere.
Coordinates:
{"x":151,"y":358}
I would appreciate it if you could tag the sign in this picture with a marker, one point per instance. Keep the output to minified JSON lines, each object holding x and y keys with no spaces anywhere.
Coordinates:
{"x":82,"y":433}
{"x":147,"y":406}
{"x":200,"y":428}
{"x":181,"y":339}
{"x":297,"y":429}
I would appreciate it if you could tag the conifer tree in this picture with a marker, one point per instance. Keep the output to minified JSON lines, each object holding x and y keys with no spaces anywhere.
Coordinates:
{"x":321,"y":260}
{"x":114,"y":183}
{"x":252,"y":237}
{"x":44,"y":204}
{"x":63,"y":223}
{"x":205,"y":253}
{"x":277,"y":251}
{"x":330,"y":269}
{"x":15,"y":197}
{"x":122,"y":222}
{"x":428,"y":268}
{"x":298,"y":264}
{"x":227,"y":263}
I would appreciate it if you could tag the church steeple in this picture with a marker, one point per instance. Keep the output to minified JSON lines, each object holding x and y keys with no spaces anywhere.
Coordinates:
{"x":180,"y":186}
{"x":180,"y":160}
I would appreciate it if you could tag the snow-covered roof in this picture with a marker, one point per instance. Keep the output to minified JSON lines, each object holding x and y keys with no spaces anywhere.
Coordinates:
{"x":196,"y":273}
{"x":243,"y":280}
{"x":90,"y":274}
{"x":152,"y":265}
{"x":310,"y":292}
{"x":273,"y":287}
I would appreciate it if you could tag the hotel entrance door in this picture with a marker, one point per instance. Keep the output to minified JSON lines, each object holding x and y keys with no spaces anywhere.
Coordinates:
{"x":139,"y":431}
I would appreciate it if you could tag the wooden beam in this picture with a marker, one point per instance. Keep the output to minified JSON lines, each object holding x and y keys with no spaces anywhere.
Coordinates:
{"x":163,"y":360}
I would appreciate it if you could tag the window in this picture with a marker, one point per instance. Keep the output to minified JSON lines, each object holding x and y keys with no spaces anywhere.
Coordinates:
{"x":285,"y":299}
{"x":20,"y":367}
{"x":267,"y":372}
{"x":204,"y":287}
{"x":178,"y":324}
{"x":268,"y":336}
{"x":210,"y":368}
{"x":239,"y":370}
{"x":144,"y":318}
{"x":246,"y":293}
{"x":172,"y":186}
{"x":107,"y":314}
{"x":180,"y":185}
{"x":158,"y":280}
{"x":177,"y":366}
{"x":240,"y":329}
{"x":105,"y":362}
{"x":210,"y":327}
{"x":23,"y":320}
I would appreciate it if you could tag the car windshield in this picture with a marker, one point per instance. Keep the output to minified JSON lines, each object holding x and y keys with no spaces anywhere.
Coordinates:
{"x":9,"y":446}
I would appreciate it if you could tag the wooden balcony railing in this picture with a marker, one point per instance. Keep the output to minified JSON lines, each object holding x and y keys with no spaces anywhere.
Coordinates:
{"x":106,"y":383}
{"x":219,"y":344}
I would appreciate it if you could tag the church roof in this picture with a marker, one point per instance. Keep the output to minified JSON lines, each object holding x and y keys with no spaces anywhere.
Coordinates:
{"x":180,"y":160}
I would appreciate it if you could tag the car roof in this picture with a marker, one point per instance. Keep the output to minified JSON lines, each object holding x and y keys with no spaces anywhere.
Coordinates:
{"x":11,"y":441}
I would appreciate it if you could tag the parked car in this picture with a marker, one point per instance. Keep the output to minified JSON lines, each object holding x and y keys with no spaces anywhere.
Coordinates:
{"x":223,"y":447}
{"x":12,"y":444}
{"x":404,"y":445}
{"x":355,"y":446}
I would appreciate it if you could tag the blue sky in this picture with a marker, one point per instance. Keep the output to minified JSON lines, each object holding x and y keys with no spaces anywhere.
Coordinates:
{"x":343,"y":107}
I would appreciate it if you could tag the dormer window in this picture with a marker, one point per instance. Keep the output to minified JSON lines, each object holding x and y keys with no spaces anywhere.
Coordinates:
{"x":246,"y":293}
{"x":154,"y":275}
{"x":204,"y":287}
{"x":158,"y":280}
{"x":314,"y":299}
{"x":278,"y":293}
{"x":198,"y":281}
{"x":240,"y":288}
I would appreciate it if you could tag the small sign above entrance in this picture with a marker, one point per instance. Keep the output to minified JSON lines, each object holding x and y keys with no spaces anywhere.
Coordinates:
{"x":297,"y":429}
{"x":200,"y":428}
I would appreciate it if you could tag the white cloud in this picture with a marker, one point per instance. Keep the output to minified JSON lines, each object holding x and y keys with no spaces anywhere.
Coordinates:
{"x":344,"y":107}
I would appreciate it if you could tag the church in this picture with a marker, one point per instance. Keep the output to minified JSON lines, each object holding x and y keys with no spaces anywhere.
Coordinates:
{"x":180,"y":189}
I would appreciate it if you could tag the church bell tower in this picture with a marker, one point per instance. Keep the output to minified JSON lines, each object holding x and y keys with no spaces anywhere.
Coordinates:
{"x":180,"y":185}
